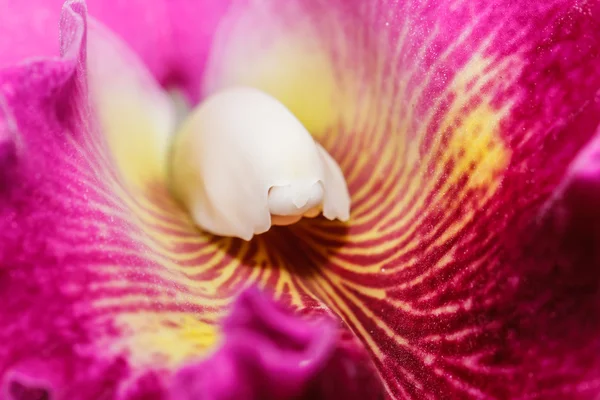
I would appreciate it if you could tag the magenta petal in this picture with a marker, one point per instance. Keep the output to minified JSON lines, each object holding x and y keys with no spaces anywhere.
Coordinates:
{"x":269,"y":355}
{"x":91,"y":310}
{"x":24,"y":29}
{"x":47,"y":340}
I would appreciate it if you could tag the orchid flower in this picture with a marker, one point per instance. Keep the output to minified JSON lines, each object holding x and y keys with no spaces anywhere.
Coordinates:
{"x":463,"y":138}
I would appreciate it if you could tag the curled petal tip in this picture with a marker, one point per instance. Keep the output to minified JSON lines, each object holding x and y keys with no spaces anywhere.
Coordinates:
{"x":72,"y":27}
{"x":582,"y":190}
{"x":243,"y":162}
{"x":30,"y":380}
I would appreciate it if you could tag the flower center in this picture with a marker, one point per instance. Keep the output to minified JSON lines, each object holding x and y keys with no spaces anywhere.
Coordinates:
{"x":242,"y":162}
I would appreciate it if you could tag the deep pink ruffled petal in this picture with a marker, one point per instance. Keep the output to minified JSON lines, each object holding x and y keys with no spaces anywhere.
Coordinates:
{"x":268,"y":355}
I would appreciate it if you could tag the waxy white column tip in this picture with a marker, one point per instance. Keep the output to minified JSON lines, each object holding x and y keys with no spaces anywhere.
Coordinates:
{"x":243,"y":162}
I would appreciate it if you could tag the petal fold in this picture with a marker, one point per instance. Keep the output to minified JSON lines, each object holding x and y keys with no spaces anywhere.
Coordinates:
{"x":270,"y":355}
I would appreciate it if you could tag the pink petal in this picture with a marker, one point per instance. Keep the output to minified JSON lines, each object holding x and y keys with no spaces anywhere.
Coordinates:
{"x":269,"y":355}
{"x":92,"y":308}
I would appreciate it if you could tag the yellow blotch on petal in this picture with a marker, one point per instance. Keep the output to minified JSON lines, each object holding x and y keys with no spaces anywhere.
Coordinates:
{"x":478,"y":149}
{"x":308,"y":84}
{"x":291,"y":63}
{"x":138,"y":147}
{"x":476,"y":146}
{"x":175,"y":338}
{"x":135,"y":114}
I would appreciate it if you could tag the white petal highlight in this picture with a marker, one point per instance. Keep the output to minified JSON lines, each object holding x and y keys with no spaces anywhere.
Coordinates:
{"x":242,"y":162}
{"x":337,"y":198}
{"x":295,"y":199}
